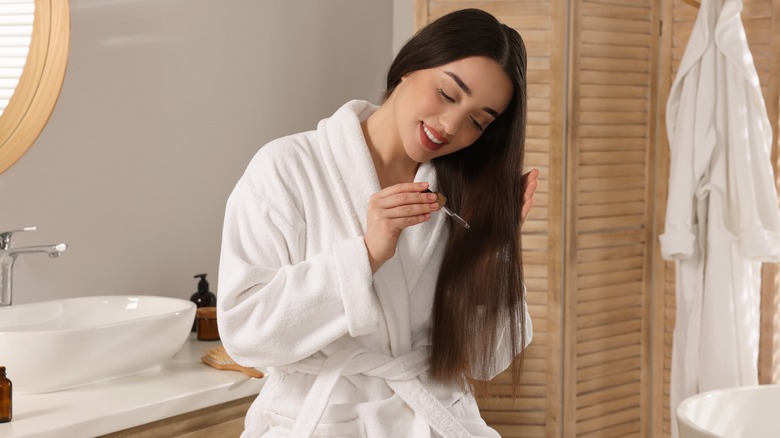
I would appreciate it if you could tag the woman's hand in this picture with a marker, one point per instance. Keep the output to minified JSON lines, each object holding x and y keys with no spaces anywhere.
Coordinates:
{"x":530,"y":183}
{"x":390,"y":211}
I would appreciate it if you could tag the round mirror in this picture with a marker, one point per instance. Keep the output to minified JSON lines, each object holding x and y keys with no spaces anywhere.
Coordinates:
{"x":31,"y":99}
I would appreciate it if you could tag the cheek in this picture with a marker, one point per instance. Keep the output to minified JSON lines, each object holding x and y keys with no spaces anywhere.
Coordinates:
{"x":423,"y":103}
{"x":470,"y":137}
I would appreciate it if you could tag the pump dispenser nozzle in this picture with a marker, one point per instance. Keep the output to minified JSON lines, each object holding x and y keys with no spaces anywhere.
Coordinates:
{"x":203,"y":285}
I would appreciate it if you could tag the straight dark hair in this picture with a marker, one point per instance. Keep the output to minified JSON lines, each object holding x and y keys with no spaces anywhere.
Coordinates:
{"x":479,"y":305}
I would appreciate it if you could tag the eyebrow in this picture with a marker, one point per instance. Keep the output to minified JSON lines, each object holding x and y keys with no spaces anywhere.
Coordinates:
{"x":467,"y":90}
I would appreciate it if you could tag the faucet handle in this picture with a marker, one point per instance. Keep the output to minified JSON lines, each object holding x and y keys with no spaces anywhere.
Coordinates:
{"x":5,"y":236}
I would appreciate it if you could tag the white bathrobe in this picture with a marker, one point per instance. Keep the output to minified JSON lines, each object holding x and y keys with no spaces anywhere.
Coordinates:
{"x":722,"y":215}
{"x":347,"y":351}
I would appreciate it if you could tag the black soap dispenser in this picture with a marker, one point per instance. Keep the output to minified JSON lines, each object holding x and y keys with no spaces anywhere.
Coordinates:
{"x":203,"y":297}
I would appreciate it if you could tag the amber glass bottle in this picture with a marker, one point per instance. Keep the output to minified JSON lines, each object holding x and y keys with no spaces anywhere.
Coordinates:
{"x":5,"y":397}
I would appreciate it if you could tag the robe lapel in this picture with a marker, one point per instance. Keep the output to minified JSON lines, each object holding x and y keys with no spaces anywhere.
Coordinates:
{"x":350,"y":166}
{"x":348,"y":161}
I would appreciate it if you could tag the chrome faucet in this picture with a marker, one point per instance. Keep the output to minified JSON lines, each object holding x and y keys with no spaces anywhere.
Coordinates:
{"x":8,"y":256}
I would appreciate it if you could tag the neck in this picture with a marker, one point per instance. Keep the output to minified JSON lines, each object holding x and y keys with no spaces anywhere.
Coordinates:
{"x":392,"y":164}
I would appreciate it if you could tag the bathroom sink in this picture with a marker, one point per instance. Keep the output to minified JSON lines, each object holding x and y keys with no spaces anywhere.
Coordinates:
{"x":62,"y":344}
{"x":745,"y":411}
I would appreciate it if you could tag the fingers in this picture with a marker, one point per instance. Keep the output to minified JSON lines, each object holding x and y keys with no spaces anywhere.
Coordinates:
{"x":526,"y":210}
{"x":405,"y":205}
{"x":417,"y":187}
{"x":530,"y":184}
{"x":405,"y":201}
{"x":390,"y":211}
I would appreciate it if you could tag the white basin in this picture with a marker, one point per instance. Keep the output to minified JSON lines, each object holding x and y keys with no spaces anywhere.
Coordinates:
{"x":745,"y":411}
{"x":62,"y":344}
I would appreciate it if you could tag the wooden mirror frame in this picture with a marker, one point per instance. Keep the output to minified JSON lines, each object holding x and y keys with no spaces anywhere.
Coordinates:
{"x":39,"y":86}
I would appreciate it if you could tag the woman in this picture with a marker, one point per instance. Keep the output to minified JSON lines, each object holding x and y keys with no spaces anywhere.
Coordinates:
{"x":374,"y":311}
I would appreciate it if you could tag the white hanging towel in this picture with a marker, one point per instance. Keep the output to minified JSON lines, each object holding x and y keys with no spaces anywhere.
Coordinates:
{"x":722,"y":216}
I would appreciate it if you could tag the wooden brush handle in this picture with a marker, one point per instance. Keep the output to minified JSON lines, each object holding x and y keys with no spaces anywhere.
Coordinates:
{"x":251,"y":372}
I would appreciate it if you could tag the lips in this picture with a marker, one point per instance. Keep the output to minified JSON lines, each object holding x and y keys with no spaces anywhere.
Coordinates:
{"x":431,"y":138}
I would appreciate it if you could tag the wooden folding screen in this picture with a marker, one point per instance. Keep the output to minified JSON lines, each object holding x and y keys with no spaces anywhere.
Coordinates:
{"x":600,"y":296}
{"x":586,"y":247}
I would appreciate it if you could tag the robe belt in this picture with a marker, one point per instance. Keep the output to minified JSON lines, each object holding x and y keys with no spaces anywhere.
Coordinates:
{"x":400,"y":373}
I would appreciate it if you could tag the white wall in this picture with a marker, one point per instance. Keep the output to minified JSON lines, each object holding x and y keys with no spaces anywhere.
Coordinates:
{"x":403,"y":23}
{"x":163,"y":105}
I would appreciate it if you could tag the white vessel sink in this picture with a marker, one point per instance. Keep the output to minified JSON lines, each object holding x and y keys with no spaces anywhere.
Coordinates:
{"x":62,"y":344}
{"x":745,"y":411}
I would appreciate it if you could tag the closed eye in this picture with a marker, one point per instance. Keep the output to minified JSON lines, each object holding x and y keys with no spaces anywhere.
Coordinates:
{"x":444,"y":95}
{"x":477,"y":125}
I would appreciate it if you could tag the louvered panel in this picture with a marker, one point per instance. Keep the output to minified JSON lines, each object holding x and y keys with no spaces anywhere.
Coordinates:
{"x":587,"y":283}
{"x":603,"y":117}
{"x":601,"y":291}
{"x":588,"y":361}
{"x":610,"y":144}
{"x":616,"y":169}
{"x":602,"y":266}
{"x":504,"y":10}
{"x":633,"y":250}
{"x":520,"y":430}
{"x":509,"y":416}
{"x":615,"y":328}
{"x":614,"y":411}
{"x":611,"y":197}
{"x":607,"y":184}
{"x":612,"y":157}
{"x":618,"y":104}
{"x":625,"y":430}
{"x":610,"y":239}
{"x":611,"y":380}
{"x":612,"y":24}
{"x":609,"y":210}
{"x":593,"y":307}
{"x":609,"y":393}
{"x":639,"y":4}
{"x":598,"y":411}
{"x":602,"y":282}
{"x":607,"y":316}
{"x":603,"y":51}
{"x":591,"y":225}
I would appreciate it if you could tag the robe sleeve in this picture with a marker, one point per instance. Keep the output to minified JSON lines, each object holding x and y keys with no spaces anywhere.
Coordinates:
{"x":691,"y":143}
{"x":275,"y":308}
{"x":754,"y":194}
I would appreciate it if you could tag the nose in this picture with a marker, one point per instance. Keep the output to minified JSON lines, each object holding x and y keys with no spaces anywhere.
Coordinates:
{"x":451,"y":122}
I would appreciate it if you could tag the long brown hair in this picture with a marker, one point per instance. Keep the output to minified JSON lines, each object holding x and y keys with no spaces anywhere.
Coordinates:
{"x":479,"y":305}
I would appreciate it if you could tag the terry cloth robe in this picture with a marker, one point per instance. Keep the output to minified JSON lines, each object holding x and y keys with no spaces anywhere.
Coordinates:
{"x":722,"y":215}
{"x":346,"y":352}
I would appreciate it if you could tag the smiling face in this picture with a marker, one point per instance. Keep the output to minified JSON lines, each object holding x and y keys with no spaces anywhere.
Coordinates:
{"x":444,"y":109}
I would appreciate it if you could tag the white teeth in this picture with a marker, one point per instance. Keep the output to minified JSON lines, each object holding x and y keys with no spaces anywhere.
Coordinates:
{"x":430,"y":136}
